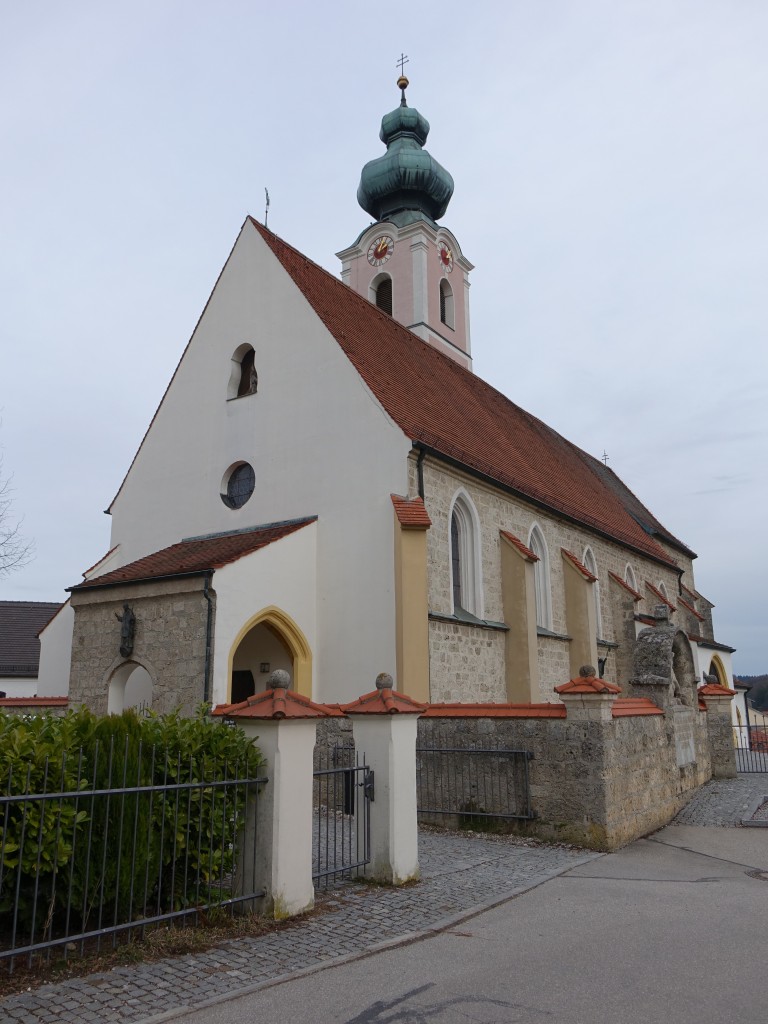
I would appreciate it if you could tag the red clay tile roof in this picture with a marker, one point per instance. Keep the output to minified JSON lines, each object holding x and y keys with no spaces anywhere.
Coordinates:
{"x":588,"y":684}
{"x":20,"y":622}
{"x":632,"y":707}
{"x":383,"y":702}
{"x":488,"y":710}
{"x":456,"y":415}
{"x":623,"y":583}
{"x":34,"y":702}
{"x":277,"y":703}
{"x":516,"y":542}
{"x":691,"y":593}
{"x":196,"y":556}
{"x":579,"y":565}
{"x":411,"y":513}
{"x":716,"y":690}
{"x":657,"y":593}
{"x":690,"y":608}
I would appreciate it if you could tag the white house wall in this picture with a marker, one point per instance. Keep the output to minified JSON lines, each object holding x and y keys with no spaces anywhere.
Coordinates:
{"x":318,"y":441}
{"x":284,"y":574}
{"x":56,"y":654}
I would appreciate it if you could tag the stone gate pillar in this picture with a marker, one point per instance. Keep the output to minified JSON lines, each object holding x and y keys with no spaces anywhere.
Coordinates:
{"x":280,"y":861}
{"x":384,"y":727}
{"x":720,"y":728}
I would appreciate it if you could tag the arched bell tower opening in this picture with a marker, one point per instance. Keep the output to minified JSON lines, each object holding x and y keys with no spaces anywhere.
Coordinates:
{"x":268,"y":641}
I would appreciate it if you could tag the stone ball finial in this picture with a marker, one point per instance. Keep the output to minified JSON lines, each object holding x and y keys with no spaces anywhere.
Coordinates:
{"x":587,"y":672}
{"x":280,"y":679}
{"x":384,"y":681}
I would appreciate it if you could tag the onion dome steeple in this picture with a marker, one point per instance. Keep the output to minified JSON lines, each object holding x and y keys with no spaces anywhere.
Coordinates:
{"x":406,"y":182}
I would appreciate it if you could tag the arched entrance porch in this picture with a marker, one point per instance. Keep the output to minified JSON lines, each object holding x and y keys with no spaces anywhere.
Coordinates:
{"x":130,"y":686}
{"x":268,"y":641}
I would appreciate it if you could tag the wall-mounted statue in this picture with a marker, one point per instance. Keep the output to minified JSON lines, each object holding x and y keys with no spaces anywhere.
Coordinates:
{"x":127,"y":630}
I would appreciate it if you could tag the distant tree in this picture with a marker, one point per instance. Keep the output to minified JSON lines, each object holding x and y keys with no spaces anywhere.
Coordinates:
{"x":15,"y":550}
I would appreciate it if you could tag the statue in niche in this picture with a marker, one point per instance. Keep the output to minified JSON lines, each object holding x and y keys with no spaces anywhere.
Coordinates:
{"x":127,"y":630}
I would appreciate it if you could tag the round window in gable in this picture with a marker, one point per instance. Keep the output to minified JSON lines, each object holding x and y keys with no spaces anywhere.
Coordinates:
{"x":238,"y":485}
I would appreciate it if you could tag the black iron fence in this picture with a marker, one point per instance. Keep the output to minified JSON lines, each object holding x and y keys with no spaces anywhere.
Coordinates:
{"x":472,"y":787}
{"x":750,"y":737}
{"x":343,"y":791}
{"x":154,"y":839}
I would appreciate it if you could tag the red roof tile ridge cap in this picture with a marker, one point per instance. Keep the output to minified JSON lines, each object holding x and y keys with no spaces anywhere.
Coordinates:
{"x":715,"y":690}
{"x":623,"y":583}
{"x":690,"y":608}
{"x":658,"y":593}
{"x":522,"y":548}
{"x":587,"y":684}
{"x":579,"y":565}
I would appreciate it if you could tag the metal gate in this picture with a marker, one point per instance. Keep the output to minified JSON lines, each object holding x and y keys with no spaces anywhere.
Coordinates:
{"x":472,"y":787}
{"x":750,"y":738}
{"x":343,"y":792}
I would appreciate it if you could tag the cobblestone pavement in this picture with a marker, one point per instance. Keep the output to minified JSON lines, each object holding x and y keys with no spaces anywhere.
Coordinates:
{"x":459,"y":873}
{"x":724,"y":801}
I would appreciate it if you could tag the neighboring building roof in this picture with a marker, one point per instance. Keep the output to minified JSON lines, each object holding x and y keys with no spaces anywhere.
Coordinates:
{"x":456,"y":415}
{"x":20,"y":622}
{"x":197,"y":555}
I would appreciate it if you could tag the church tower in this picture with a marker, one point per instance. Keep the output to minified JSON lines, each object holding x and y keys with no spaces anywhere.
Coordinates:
{"x":405,"y":262}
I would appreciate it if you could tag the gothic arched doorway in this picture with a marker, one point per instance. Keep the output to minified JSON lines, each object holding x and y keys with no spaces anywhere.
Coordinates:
{"x":270,"y":640}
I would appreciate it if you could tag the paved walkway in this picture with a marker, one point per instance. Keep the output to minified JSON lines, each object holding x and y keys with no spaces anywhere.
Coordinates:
{"x":725,"y":801}
{"x":461,"y":874}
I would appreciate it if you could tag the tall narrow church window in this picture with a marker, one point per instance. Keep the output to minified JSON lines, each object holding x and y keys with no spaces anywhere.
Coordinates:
{"x":629,"y":577}
{"x":466,"y":582}
{"x":456,"y":562}
{"x":384,"y":295}
{"x":249,"y":379}
{"x":591,"y":566}
{"x":663,"y":591}
{"x":446,"y":304}
{"x":538,"y":546}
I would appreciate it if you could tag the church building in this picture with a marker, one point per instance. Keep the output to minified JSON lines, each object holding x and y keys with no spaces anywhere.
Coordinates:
{"x":327,"y":487}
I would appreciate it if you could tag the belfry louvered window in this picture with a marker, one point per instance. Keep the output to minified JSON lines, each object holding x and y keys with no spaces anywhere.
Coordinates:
{"x":384,"y":295}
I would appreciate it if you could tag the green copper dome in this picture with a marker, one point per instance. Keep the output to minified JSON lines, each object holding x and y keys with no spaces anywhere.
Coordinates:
{"x":406,"y":177}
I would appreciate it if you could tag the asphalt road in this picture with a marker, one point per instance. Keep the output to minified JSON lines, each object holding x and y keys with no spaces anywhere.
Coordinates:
{"x":673,"y":928}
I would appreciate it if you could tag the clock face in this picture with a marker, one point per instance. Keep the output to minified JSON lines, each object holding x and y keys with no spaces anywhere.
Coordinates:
{"x":446,"y":257}
{"x":380,"y":250}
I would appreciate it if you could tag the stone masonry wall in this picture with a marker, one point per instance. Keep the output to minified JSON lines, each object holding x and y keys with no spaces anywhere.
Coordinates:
{"x":496,"y":511}
{"x":465,"y":663}
{"x":598,"y":784}
{"x":170,"y":639}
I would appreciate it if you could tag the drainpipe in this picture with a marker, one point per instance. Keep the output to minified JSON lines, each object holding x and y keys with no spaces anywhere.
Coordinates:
{"x":420,"y":470}
{"x":208,"y":637}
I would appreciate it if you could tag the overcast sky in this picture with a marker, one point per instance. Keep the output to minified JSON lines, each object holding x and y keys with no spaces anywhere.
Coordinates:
{"x":611,"y":175}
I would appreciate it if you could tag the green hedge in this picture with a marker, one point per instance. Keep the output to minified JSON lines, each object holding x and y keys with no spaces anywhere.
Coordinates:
{"x":84,"y":862}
